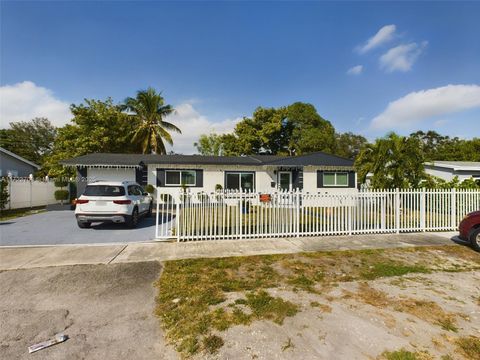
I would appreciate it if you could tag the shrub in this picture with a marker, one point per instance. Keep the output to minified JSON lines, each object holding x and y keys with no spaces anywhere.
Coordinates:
{"x":4,"y":195}
{"x":218,"y":187}
{"x":149,"y":189}
{"x":61,"y":195}
{"x":60,"y":183}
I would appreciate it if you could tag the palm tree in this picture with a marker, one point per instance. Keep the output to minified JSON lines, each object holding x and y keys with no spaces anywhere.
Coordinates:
{"x":150,"y":110}
{"x":395,"y":162}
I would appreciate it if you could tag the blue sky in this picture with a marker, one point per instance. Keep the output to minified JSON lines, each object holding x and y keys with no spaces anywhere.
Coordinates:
{"x":218,"y":61}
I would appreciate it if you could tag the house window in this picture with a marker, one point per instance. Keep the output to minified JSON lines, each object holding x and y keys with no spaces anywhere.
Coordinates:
{"x":335,"y":179}
{"x":180,"y":177}
{"x":240,"y":180}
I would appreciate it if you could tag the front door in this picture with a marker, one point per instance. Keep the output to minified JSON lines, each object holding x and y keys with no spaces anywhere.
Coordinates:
{"x":285,"y":180}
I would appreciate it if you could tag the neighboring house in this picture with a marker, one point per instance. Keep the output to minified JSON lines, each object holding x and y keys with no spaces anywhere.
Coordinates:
{"x":14,"y":165}
{"x":317,"y":172}
{"x":447,"y":170}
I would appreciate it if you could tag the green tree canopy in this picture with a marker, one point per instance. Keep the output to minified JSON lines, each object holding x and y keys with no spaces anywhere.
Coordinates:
{"x":210,"y":145}
{"x":439,"y":147}
{"x":97,"y":126}
{"x":348,"y":145}
{"x":394,"y":162}
{"x":148,"y":109}
{"x":307,"y":131}
{"x":294,"y":129}
{"x":32,"y":139}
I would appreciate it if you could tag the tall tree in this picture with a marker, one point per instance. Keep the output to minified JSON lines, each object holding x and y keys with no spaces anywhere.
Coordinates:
{"x":307,"y":131}
{"x":438,"y":147}
{"x":293,"y":130}
{"x":96,"y":126}
{"x":348,"y":145}
{"x":149,"y":110}
{"x":210,"y":145}
{"x":32,"y":139}
{"x":394,"y":162}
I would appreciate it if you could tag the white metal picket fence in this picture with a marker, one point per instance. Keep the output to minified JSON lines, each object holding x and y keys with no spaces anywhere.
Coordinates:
{"x":241,"y":215}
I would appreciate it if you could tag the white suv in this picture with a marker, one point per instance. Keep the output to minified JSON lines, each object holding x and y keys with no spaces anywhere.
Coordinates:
{"x":110,"y":201}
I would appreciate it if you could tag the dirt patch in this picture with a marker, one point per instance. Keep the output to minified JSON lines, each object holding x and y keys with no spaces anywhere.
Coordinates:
{"x":380,"y":300}
{"x":106,"y":310}
{"x":370,"y":326}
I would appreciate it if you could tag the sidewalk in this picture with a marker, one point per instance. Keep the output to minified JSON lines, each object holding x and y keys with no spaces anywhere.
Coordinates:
{"x":32,"y":257}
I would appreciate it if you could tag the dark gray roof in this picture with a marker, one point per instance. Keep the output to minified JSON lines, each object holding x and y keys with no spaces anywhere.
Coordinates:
{"x":314,"y":159}
{"x":18,"y":157}
{"x":105,"y":159}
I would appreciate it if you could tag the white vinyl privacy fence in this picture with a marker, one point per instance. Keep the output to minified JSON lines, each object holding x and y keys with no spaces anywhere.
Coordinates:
{"x":239,"y":215}
{"x":26,"y":193}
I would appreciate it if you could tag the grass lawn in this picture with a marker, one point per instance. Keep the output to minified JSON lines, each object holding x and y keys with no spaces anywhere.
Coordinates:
{"x":14,"y":213}
{"x":201,"y":298}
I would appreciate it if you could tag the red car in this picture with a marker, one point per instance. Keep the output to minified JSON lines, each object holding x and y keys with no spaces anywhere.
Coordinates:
{"x":470,"y":229}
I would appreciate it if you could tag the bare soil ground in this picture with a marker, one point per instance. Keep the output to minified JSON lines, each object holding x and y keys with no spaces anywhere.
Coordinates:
{"x":106,"y":310}
{"x":423,"y":314}
{"x":394,"y":304}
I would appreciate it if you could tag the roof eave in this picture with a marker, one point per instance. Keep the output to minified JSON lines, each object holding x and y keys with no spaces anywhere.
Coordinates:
{"x":18,"y":157}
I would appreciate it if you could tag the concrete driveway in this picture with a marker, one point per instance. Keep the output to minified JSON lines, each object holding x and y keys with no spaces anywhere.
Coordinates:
{"x":60,"y":227}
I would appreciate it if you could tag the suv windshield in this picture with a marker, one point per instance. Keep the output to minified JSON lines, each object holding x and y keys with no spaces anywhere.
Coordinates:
{"x":104,"y":190}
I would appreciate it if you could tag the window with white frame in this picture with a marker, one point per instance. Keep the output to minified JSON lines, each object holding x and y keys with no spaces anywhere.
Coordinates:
{"x":240,"y":181}
{"x":180,"y":177}
{"x":335,"y":179}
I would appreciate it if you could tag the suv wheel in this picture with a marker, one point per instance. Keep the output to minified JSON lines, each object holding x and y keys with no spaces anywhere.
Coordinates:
{"x":83,"y":224}
{"x":475,"y":239}
{"x":132,"y":220}
{"x":150,"y":209}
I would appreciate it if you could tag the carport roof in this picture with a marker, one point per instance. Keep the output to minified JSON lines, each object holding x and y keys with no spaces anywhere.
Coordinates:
{"x":133,"y":160}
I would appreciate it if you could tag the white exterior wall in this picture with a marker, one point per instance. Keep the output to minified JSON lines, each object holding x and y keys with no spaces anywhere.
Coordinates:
{"x":448,"y":174}
{"x":111,"y":174}
{"x":215,"y":174}
{"x":310,"y":184}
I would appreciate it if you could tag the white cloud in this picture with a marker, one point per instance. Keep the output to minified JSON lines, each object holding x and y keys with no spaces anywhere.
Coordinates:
{"x":384,"y":35}
{"x":356,"y":70}
{"x":25,"y":100}
{"x":401,"y":57}
{"x":193,"y":124}
{"x":416,"y":107}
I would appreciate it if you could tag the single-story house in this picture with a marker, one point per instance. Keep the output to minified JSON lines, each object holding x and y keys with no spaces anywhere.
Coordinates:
{"x":316,"y":172}
{"x":14,"y":165}
{"x":447,"y":170}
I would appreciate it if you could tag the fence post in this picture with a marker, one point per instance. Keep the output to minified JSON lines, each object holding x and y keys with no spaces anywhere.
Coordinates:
{"x":382,"y":211}
{"x":240,"y":215}
{"x":30,"y":180}
{"x":423,"y":210}
{"x":397,"y":210}
{"x":350,"y":209}
{"x":178,"y":202}
{"x":453,"y":208}
{"x":298,"y":213}
{"x":157,"y":214}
